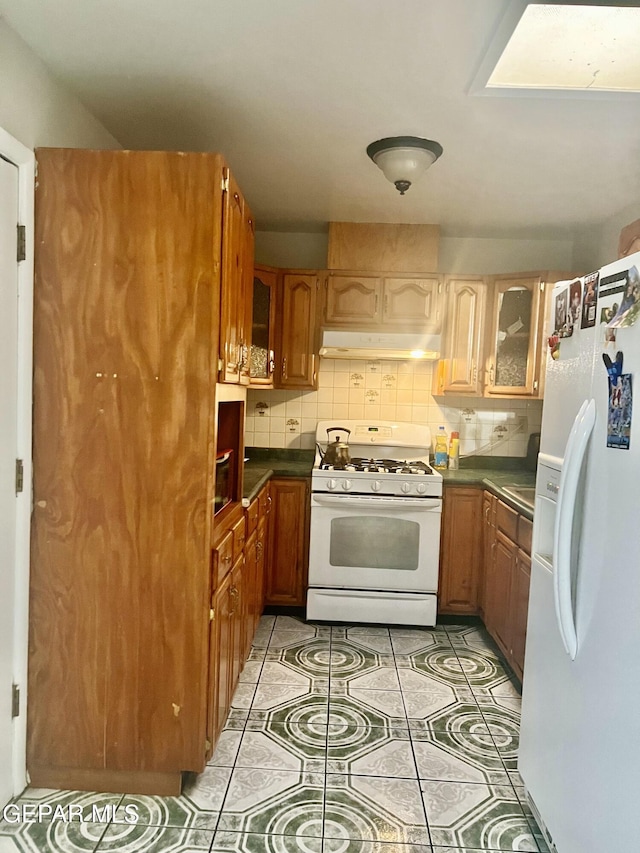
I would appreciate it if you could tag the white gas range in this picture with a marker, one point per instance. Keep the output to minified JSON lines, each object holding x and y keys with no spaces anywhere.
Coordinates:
{"x":375,"y":526}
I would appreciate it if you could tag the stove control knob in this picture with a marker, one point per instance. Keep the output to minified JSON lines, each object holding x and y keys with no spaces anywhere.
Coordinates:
{"x":331,"y":484}
{"x":346,"y":485}
{"x":376,"y":485}
{"x":422,"y":488}
{"x":405,"y":487}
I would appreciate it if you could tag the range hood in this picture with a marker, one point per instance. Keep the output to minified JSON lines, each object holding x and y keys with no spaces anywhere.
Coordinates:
{"x":379,"y":345}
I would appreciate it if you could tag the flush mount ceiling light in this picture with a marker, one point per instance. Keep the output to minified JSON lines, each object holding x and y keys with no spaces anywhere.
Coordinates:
{"x":403,"y":159}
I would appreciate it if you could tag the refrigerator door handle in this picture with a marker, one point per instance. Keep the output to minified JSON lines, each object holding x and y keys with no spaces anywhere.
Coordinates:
{"x":564,"y":520}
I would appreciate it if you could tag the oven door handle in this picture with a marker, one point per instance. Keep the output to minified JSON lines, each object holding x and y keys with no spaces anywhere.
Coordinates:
{"x":361,"y":502}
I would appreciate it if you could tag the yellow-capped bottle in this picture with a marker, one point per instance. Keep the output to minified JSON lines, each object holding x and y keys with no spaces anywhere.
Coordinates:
{"x":440,"y":454}
{"x":454,"y":450}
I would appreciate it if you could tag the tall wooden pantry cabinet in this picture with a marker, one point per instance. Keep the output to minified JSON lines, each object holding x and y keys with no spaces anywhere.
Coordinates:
{"x":127,"y":301}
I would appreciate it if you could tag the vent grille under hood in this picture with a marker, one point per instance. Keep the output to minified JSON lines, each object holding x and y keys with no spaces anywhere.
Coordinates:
{"x":378,"y":345}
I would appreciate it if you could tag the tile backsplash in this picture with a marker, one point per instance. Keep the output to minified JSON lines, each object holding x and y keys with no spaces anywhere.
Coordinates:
{"x":388,"y":391}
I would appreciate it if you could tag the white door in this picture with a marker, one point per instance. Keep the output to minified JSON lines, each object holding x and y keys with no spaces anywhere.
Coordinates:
{"x":8,"y":453}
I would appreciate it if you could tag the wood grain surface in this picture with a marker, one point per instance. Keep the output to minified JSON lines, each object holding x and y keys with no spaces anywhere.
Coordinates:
{"x":375,"y":246}
{"x":125,"y":340}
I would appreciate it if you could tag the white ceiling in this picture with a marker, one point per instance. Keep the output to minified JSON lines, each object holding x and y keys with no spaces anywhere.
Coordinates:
{"x":293,"y":91}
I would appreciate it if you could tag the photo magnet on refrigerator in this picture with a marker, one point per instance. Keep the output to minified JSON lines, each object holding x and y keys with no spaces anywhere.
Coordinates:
{"x":620,"y":403}
{"x":589,"y":300}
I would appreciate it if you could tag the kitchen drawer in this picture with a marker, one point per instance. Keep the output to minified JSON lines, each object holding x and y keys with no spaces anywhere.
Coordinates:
{"x":239,"y":536}
{"x":264,"y":501}
{"x":251,"y":516}
{"x":222,"y":559}
{"x":525,"y":528}
{"x":507,"y":520}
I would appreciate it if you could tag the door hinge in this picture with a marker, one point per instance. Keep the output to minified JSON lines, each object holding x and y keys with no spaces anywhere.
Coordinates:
{"x":225,"y":184}
{"x":22,"y":242}
{"x":207,"y":745}
{"x":15,"y":701}
{"x":19,"y":476}
{"x":542,"y":283}
{"x":212,"y":614}
{"x":535,"y":385}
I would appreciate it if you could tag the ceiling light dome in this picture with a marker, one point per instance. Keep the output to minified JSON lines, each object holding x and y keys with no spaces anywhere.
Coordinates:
{"x":403,"y":159}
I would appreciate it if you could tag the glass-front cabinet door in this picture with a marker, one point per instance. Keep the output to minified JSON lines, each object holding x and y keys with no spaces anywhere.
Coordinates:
{"x":262,"y":359}
{"x":513,"y":347}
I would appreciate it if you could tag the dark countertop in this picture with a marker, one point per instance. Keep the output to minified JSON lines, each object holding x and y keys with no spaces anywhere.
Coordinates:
{"x":495,"y":479}
{"x":266,"y":462}
{"x":492,"y":473}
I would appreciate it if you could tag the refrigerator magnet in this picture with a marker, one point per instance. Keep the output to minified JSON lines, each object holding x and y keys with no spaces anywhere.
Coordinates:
{"x":563,"y":321}
{"x":589,"y":300}
{"x":619,"y":413}
{"x":629,"y":308}
{"x":575,"y":302}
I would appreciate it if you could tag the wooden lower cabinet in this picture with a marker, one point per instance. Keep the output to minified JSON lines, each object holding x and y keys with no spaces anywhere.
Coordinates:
{"x":236,"y":604}
{"x":288,"y":554}
{"x":461,"y":550}
{"x":507,"y":570}
{"x":520,"y":606}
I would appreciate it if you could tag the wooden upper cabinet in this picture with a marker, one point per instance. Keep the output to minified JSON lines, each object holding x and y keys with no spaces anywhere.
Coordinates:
{"x":232,"y":283}
{"x":365,"y":302}
{"x":263,"y":327}
{"x":245,"y":309}
{"x":459,"y":369}
{"x":411,"y":303}
{"x":298,"y":350}
{"x":353,"y":300}
{"x":236,"y":284}
{"x":514,"y":336}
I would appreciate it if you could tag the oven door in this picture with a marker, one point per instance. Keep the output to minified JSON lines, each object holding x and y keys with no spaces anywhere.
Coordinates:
{"x":372,"y":542}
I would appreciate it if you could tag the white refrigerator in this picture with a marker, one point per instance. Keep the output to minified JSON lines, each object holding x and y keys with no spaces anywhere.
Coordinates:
{"x":579,"y":752}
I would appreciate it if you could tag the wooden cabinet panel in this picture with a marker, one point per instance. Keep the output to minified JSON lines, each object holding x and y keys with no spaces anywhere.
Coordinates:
{"x":298,"y":349}
{"x":125,"y":334}
{"x":239,"y":536}
{"x":459,"y":370}
{"x":232,"y":291}
{"x":222,"y":559}
{"x":489,"y":503}
{"x":507,"y":520}
{"x":411,"y":303}
{"x":461,"y":550}
{"x":525,"y":533}
{"x":353,"y":301}
{"x":263,"y":327}
{"x":221,"y":658}
{"x":245,"y":308}
{"x":519,"y":607}
{"x":514,"y":340}
{"x":507,"y":570}
{"x":500,"y":591}
{"x":288,"y":542}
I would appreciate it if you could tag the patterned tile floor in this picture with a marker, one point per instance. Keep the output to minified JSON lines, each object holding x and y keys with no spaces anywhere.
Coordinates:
{"x":340,"y":740}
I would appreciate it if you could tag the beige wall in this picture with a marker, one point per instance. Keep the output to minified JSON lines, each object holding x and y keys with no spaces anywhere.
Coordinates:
{"x":35,"y":109}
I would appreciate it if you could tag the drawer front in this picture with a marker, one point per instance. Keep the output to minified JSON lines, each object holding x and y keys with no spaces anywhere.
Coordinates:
{"x":222,"y":559}
{"x":251,"y":516}
{"x":264,"y":501}
{"x":507,"y":520}
{"x":239,"y":536}
{"x":525,"y":529}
